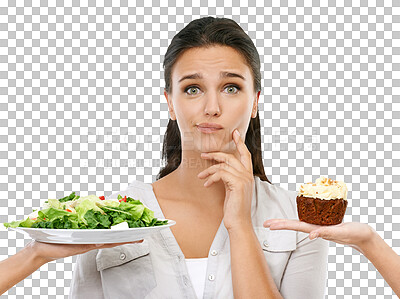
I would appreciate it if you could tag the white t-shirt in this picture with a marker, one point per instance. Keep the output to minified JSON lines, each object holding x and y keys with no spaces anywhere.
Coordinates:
{"x":197,"y":269}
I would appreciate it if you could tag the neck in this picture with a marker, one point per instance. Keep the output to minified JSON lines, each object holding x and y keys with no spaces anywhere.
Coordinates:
{"x":186,"y":175}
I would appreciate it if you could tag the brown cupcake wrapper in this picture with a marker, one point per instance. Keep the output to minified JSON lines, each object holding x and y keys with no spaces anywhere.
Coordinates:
{"x":321,"y":211}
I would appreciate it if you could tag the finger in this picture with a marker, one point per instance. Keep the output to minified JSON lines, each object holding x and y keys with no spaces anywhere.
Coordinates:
{"x":228,"y":159}
{"x":268,"y":222}
{"x":282,"y":222}
{"x":323,"y":232}
{"x":110,"y":245}
{"x":313,"y":235}
{"x":230,"y":180}
{"x":245,"y":155}
{"x":213,"y":169}
{"x":287,"y":224}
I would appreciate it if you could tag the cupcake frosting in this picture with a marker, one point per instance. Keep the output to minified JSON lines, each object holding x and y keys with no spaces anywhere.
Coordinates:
{"x":324,"y":188}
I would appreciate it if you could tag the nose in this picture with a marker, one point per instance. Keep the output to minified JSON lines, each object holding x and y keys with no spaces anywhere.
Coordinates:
{"x":212,"y":105}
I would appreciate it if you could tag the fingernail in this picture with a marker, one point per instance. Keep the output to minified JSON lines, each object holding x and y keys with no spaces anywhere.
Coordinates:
{"x":313,"y":236}
{"x":237,"y":133}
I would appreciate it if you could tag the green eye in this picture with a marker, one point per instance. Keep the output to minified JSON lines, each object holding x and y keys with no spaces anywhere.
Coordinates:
{"x":192,"y":90}
{"x":232,"y":89}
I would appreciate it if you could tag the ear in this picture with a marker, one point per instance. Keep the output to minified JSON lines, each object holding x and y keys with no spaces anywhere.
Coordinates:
{"x":170,"y":106}
{"x":255,"y":105}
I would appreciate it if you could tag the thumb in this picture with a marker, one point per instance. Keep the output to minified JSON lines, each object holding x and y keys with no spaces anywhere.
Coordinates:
{"x":313,"y":235}
{"x":319,"y":233}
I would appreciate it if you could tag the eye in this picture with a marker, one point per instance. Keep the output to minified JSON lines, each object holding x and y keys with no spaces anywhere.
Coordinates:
{"x":192,"y":90}
{"x":232,"y":89}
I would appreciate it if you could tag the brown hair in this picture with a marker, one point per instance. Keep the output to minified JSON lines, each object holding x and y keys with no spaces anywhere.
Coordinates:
{"x":206,"y":32}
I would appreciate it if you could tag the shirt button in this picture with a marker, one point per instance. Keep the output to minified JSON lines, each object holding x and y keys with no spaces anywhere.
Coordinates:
{"x":265,"y":243}
{"x":186,"y":280}
{"x":122,"y":256}
{"x":214,"y":253}
{"x":211,"y":277}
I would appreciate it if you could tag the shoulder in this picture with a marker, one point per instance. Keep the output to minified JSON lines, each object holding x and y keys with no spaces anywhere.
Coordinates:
{"x":275,"y":198}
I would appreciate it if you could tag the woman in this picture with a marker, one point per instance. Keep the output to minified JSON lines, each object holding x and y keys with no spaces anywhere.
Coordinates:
{"x":36,"y":254}
{"x":214,"y":187}
{"x":360,"y":236}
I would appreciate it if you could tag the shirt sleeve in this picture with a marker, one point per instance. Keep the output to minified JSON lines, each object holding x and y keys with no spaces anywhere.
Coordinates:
{"x":306,"y":272}
{"x":86,"y":280}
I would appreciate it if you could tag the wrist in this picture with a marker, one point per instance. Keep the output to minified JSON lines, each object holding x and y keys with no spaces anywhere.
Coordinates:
{"x":369,"y":242}
{"x":240,"y":227}
{"x":33,"y":249}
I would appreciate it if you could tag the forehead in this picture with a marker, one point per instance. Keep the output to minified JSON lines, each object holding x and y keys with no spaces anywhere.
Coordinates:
{"x":210,"y":61}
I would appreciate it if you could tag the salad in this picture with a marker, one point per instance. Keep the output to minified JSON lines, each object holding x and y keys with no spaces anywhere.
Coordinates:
{"x":90,"y":212}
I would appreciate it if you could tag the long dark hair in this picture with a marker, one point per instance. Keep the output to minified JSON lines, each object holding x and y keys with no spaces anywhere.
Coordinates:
{"x":205,"y":32}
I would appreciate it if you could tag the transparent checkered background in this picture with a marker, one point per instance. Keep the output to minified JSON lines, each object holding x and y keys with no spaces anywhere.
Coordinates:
{"x":82,"y":109}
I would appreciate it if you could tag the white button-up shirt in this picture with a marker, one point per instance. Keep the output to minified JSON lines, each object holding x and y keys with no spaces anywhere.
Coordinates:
{"x":156,"y":268}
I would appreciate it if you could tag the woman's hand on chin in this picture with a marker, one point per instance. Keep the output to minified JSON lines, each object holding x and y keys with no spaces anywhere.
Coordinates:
{"x":238,"y":179}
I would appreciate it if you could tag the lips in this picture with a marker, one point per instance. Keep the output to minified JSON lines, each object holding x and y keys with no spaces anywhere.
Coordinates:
{"x":210,"y":126}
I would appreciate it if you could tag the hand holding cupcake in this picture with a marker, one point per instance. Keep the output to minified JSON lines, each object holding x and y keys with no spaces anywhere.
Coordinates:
{"x":321,"y":207}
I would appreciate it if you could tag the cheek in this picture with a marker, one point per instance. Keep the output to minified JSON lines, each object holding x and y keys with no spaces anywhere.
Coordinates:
{"x":185,"y":114}
{"x":241,"y":113}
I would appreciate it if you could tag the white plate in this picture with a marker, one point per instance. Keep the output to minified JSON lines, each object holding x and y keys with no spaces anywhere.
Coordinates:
{"x":91,"y":236}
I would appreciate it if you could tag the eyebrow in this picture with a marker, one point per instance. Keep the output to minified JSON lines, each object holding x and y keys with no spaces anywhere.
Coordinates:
{"x":222,"y":75}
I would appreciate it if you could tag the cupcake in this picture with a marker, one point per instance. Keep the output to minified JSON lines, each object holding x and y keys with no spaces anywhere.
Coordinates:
{"x":323,"y":202}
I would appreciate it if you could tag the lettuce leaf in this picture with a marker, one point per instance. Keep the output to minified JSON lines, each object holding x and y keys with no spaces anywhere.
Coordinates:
{"x":85,"y":205}
{"x":72,"y":196}
{"x":20,"y":223}
{"x":134,"y":208}
{"x":51,"y":214}
{"x":65,"y":222}
{"x":96,"y":219}
{"x":148,"y":215}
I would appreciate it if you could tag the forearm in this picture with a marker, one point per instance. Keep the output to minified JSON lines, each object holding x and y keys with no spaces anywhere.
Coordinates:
{"x":385,"y":260}
{"x":251,"y":277}
{"x":17,"y":267}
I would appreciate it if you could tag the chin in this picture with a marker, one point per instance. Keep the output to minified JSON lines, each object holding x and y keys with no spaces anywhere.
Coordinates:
{"x":226,"y":147}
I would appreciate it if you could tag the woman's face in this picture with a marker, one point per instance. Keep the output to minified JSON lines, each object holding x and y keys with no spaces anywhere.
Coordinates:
{"x":211,"y":85}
